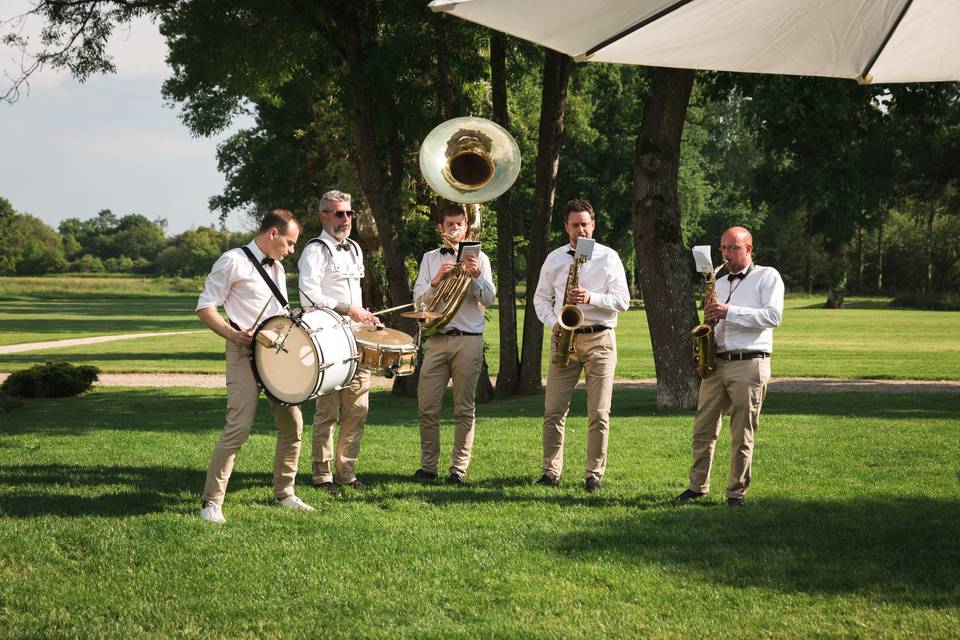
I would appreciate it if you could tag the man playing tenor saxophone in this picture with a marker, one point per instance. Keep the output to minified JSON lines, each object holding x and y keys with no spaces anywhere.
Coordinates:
{"x":751,"y":307}
{"x":456,"y":351}
{"x":600,"y":292}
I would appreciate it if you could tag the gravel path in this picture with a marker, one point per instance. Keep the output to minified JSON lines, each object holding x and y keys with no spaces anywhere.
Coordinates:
{"x":72,"y":342}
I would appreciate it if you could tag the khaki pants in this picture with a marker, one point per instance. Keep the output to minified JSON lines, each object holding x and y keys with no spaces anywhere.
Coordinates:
{"x":459,"y":357}
{"x":597,"y":356}
{"x":242,"y":397}
{"x":740,"y":387}
{"x":349,"y":406}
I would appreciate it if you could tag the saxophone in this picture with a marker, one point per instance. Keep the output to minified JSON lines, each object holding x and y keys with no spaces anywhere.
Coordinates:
{"x":704,"y":335}
{"x":570,"y":318}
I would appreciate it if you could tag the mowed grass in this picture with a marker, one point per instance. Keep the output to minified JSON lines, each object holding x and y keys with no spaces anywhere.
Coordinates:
{"x":850,"y":530}
{"x":865,"y":340}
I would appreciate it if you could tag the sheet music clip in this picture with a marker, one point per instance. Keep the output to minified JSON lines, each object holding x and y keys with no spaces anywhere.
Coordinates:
{"x":584,"y":248}
{"x":701,"y":254}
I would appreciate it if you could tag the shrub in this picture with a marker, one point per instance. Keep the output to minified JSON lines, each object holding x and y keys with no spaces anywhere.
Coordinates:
{"x":931,"y":301}
{"x":9,"y":403}
{"x":50,"y":380}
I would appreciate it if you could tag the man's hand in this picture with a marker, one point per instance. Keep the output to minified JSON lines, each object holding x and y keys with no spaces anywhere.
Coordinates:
{"x":361,"y":315}
{"x":578,"y":295}
{"x":441,"y":274}
{"x":714,"y":312}
{"x":471,"y":266}
{"x":241,"y":338}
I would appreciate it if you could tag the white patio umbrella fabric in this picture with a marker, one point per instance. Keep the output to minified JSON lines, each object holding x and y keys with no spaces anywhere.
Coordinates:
{"x":877,"y":41}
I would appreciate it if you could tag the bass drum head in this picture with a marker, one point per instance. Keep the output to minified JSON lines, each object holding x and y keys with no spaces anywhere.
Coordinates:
{"x":337,"y":348}
{"x":289,"y":375}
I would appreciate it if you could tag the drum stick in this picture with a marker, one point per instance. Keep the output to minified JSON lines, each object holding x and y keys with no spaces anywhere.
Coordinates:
{"x":262,"y":311}
{"x":402,"y":306}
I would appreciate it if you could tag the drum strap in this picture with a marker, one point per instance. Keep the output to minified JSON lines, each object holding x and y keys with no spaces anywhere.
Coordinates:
{"x":263,"y":274}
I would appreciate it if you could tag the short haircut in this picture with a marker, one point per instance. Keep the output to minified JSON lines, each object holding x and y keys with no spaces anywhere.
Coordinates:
{"x":450,"y":210}
{"x":279,"y":218}
{"x":577,"y":205}
{"x":327,"y":199}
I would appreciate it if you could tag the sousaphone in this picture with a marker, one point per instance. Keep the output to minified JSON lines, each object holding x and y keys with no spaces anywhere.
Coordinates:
{"x":468,"y":161}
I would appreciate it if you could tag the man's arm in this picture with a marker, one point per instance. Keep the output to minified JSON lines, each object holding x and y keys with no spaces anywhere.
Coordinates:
{"x":216,"y":323}
{"x":543,"y":298}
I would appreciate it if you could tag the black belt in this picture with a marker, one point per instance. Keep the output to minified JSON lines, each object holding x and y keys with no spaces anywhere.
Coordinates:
{"x":457,"y":332}
{"x":743,"y":355}
{"x":594,"y":329}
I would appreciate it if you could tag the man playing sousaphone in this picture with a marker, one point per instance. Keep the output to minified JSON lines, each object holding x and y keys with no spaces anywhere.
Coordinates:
{"x":456,"y":351}
{"x":331,"y":267}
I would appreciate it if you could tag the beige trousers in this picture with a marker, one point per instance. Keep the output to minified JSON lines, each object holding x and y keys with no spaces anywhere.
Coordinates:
{"x":459,"y":357}
{"x":597,"y":357}
{"x":349,"y":406}
{"x":242,"y":397}
{"x":740,"y":387}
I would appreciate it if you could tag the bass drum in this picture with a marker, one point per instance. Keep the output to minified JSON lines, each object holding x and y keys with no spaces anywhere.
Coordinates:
{"x":295,"y":360}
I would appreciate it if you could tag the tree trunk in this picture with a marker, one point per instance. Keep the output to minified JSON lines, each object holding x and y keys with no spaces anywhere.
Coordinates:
{"x":880,"y":258}
{"x":506,"y":281}
{"x":367,"y":161}
{"x":838,"y":277}
{"x":556,"y":75}
{"x":444,"y":74}
{"x":663,"y":261}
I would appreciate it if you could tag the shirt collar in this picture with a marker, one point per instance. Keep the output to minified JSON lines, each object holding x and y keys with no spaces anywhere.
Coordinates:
{"x":744,"y":270}
{"x":257,"y":253}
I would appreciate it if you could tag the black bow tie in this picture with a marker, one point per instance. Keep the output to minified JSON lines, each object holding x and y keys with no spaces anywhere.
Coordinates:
{"x":343,"y":246}
{"x":268,"y":261}
{"x":446,"y":250}
{"x":571,"y":252}
{"x":736,"y":276}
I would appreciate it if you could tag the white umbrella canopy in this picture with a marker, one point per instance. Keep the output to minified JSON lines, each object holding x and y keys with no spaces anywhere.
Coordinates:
{"x":871,"y":41}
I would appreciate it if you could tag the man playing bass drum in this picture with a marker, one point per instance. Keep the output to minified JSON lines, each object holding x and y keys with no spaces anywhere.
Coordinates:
{"x":330,"y":271}
{"x":601,"y":294}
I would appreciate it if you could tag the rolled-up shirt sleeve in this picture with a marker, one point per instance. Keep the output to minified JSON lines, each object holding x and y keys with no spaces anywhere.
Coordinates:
{"x":217,"y":284}
{"x":769,"y":314}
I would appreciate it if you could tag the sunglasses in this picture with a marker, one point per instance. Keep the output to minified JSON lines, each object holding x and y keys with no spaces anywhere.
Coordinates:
{"x":343,"y":214}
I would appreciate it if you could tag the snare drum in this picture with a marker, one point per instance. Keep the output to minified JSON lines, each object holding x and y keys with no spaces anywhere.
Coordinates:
{"x":297,"y":359}
{"x":385,"y":352}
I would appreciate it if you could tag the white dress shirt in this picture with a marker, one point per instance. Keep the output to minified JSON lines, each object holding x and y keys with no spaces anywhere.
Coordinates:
{"x":236,"y":284}
{"x":329,"y":275}
{"x":603,"y":276}
{"x":755,"y":309}
{"x":480,"y":294}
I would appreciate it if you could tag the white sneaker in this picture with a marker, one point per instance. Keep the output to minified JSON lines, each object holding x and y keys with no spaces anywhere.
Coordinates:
{"x":212,"y":513}
{"x":293,"y":502}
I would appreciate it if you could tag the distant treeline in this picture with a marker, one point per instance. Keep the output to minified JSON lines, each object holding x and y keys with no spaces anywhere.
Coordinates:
{"x":107,"y":243}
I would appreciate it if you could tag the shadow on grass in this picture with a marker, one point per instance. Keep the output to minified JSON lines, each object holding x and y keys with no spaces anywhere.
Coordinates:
{"x":197,"y":411}
{"x":123,"y":491}
{"x":896,"y":549}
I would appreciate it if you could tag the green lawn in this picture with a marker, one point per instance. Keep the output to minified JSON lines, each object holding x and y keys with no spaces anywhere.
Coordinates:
{"x":851,"y":527}
{"x":865,"y":340}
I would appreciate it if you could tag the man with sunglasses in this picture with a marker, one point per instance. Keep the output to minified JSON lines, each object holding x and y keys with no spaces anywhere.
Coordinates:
{"x":331,"y":267}
{"x":749,"y":307}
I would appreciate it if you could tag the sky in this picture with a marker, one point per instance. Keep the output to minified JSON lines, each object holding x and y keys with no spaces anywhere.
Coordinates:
{"x":68,"y":150}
